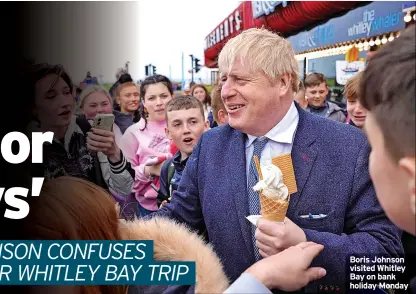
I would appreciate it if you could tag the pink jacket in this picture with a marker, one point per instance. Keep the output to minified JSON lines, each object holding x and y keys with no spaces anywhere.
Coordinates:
{"x":138,"y":146}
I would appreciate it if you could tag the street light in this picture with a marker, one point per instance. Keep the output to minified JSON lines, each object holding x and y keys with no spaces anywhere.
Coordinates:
{"x":192,"y":65}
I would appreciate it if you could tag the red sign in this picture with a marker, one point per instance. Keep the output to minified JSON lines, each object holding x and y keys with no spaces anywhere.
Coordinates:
{"x":226,"y":30}
{"x":284,"y":20}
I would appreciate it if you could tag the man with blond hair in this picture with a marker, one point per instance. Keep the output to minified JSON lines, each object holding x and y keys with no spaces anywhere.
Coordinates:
{"x":335,"y":204}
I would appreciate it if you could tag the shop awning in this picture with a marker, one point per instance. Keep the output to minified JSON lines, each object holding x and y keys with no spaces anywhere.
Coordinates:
{"x":301,"y":14}
{"x":288,"y":20}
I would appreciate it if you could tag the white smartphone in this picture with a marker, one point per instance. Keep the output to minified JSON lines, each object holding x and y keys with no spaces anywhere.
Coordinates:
{"x":104,"y":121}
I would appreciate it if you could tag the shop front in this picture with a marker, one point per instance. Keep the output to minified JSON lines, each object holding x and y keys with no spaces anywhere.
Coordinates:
{"x":340,"y":47}
{"x":321,"y":32}
{"x":286,"y":17}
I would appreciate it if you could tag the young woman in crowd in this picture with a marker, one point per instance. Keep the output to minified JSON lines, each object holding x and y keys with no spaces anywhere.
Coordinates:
{"x":94,"y":100}
{"x":356,"y":112}
{"x":200,"y":91}
{"x":147,"y":139}
{"x":75,"y":145}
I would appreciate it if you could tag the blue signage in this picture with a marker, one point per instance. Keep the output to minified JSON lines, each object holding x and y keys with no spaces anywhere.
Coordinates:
{"x":265,"y":7}
{"x":408,"y":5}
{"x":363,"y":22}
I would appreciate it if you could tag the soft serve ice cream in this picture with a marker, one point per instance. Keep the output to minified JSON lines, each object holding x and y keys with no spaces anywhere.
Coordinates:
{"x":272,"y":186}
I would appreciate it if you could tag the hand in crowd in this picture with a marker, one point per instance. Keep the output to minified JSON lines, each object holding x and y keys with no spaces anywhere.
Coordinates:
{"x":163,"y":203}
{"x":103,"y":141}
{"x":153,"y":170}
{"x":289,"y":270}
{"x":273,"y":237}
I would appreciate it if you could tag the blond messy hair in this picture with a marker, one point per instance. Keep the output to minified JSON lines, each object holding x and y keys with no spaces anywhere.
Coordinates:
{"x":264,"y":51}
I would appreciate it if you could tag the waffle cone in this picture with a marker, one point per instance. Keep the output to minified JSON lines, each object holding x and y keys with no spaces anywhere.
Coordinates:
{"x":273,"y":210}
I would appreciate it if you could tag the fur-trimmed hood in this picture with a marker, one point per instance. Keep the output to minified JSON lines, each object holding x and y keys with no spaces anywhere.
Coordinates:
{"x":174,"y":242}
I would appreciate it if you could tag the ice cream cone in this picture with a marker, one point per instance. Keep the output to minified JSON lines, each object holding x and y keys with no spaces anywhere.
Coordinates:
{"x":273,"y":210}
{"x":284,"y":162}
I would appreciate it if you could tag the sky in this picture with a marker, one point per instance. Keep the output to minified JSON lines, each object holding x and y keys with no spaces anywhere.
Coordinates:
{"x":101,"y":37}
{"x":180,"y":26}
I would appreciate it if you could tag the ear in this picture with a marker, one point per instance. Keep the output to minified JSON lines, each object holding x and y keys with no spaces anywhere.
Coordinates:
{"x":168,"y":133}
{"x":222,"y":116}
{"x":408,"y":165}
{"x":206,"y":125}
{"x":118,"y":100}
{"x":285,"y":83}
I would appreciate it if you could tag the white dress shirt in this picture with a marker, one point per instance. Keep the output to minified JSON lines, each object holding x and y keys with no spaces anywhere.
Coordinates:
{"x":280,"y":139}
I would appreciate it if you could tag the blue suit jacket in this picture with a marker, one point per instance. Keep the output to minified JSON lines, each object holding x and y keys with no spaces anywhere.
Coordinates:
{"x":331,"y":168}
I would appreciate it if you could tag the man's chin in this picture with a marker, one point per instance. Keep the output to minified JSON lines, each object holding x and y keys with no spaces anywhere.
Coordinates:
{"x":236,"y":124}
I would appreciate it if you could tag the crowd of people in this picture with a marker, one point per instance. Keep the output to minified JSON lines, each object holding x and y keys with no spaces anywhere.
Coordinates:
{"x":187,"y":159}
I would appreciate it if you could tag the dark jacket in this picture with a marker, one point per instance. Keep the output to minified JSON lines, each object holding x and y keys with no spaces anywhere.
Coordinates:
{"x":332,"y":179}
{"x":125,"y":120}
{"x":332,"y":111}
{"x":170,"y":176}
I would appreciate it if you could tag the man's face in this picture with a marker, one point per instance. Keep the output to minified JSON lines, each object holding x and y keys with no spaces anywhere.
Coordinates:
{"x":252,"y":100}
{"x":390,"y":181}
{"x":184,"y":127}
{"x":317,"y":94}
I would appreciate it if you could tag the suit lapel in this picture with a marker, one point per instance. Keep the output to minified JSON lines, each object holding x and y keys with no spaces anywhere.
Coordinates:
{"x":303,"y":154}
{"x":237,"y":174}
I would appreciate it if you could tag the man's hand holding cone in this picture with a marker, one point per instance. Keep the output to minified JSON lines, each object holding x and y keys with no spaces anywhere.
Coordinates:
{"x":271,"y":237}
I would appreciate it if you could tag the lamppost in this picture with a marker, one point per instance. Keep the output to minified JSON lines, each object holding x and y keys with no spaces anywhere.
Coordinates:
{"x":192,"y":66}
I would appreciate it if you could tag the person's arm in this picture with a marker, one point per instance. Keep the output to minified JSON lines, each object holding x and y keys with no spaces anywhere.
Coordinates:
{"x":367,"y":230}
{"x":247,"y":284}
{"x":163,"y":193}
{"x":185,"y":205}
{"x":288,"y":270}
{"x":122,"y":176}
{"x":129,"y":146}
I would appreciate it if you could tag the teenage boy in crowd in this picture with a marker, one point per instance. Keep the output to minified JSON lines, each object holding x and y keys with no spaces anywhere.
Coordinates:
{"x":356,"y":112}
{"x":316,"y":91}
{"x":186,"y":122}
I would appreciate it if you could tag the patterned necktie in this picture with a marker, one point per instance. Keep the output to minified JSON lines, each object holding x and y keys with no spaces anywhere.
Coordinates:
{"x":253,"y":196}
